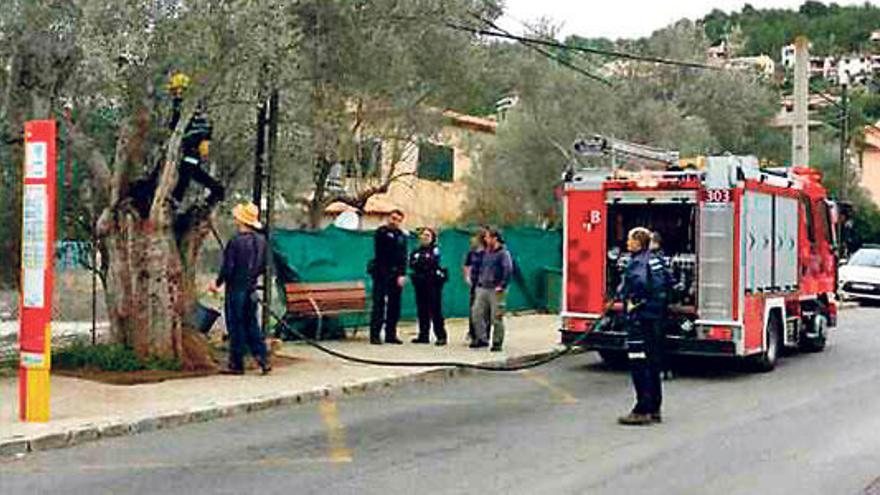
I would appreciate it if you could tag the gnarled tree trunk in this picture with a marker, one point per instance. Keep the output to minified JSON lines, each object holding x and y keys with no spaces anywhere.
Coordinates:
{"x":151,"y":273}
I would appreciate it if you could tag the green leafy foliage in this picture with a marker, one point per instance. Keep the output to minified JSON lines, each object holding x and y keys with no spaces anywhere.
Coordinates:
{"x":832,"y":28}
{"x":108,"y":357}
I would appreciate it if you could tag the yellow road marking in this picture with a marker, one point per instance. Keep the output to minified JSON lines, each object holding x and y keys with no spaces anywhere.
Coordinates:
{"x":336,"y":445}
{"x":560,"y":393}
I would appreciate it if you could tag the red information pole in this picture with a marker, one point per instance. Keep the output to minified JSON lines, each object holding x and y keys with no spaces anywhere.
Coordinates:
{"x":37,"y":269}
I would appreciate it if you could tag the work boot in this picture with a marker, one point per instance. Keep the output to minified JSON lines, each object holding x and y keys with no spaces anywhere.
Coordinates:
{"x":265,"y":367}
{"x":656,"y":417}
{"x":635,"y":419}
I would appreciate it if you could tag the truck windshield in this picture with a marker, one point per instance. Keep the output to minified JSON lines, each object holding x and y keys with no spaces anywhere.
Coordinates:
{"x":866,"y":257}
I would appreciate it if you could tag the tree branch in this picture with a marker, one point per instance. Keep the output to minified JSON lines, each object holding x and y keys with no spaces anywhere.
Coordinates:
{"x":85,"y":150}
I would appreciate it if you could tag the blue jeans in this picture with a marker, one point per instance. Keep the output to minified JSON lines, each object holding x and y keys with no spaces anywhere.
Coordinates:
{"x":243,"y":329}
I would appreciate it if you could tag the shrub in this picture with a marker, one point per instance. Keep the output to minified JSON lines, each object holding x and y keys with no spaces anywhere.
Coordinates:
{"x":108,"y":357}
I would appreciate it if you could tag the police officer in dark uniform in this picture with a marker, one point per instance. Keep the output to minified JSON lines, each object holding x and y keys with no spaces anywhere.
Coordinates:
{"x":428,"y":278}
{"x":388,"y":269}
{"x":644,"y":290}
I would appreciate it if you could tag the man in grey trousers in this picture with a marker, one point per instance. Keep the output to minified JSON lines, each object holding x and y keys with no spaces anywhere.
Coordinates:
{"x":496,"y":270}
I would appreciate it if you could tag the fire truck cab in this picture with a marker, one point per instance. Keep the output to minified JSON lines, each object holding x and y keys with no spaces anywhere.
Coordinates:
{"x":752,"y":251}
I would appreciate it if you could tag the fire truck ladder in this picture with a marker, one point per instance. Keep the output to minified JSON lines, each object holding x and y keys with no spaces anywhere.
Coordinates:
{"x":599,"y":145}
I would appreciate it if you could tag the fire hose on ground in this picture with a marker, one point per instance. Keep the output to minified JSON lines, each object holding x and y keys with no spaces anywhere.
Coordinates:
{"x":540,"y":361}
{"x":569,"y":348}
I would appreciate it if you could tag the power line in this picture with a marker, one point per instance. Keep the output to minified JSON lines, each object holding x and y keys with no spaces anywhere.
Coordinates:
{"x":595,"y":51}
{"x":545,"y":53}
{"x":501,"y":32}
{"x":827,"y":97}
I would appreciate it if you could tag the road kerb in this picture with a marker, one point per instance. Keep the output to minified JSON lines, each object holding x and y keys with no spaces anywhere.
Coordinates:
{"x":88,"y":432}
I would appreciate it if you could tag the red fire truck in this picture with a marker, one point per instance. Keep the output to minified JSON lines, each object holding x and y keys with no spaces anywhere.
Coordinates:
{"x":752,"y":250}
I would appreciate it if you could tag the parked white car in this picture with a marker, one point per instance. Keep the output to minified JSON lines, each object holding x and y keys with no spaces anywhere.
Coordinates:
{"x":860,"y":276}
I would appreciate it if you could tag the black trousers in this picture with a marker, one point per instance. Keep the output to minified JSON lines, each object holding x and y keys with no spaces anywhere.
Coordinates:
{"x":429,"y":306}
{"x":386,"y":307}
{"x":644,"y":348}
{"x":188,"y":172}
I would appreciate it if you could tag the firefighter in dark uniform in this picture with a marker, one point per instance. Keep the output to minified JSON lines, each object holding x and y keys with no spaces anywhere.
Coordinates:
{"x":194,"y":150}
{"x":428,"y":278}
{"x":657,"y":251}
{"x":388,"y":269}
{"x":194,"y":146}
{"x":644,"y":291}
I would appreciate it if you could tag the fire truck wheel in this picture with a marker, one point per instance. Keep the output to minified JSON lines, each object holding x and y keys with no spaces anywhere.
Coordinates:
{"x":766,"y":361}
{"x":815,"y":341}
{"x":613,"y":359}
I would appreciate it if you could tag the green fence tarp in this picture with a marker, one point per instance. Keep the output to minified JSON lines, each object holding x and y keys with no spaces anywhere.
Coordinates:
{"x":335,"y":254}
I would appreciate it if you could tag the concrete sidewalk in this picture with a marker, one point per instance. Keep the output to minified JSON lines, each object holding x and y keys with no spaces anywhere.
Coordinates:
{"x":84,"y":410}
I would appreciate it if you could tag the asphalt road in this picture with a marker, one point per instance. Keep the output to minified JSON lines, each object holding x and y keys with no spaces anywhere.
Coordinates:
{"x":811,"y":426}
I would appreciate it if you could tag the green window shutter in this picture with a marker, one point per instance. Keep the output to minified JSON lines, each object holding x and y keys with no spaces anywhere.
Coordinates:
{"x":436,"y":163}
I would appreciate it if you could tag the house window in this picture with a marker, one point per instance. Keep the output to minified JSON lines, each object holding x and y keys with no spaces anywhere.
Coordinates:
{"x":368,"y":161}
{"x":436,"y":163}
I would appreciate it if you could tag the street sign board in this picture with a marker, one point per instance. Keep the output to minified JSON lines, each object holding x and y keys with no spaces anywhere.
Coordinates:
{"x":37,"y":255}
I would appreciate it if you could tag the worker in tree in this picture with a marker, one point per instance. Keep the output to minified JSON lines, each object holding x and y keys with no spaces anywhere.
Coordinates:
{"x":195,"y":145}
{"x":644,"y":291}
{"x":194,"y":149}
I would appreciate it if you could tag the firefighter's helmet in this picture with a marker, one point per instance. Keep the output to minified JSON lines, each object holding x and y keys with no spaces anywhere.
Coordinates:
{"x":178,"y":82}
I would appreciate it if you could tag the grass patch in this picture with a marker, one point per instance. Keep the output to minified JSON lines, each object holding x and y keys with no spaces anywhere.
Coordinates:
{"x":108,"y":357}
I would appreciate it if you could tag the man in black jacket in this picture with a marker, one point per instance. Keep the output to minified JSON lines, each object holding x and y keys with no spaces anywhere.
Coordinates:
{"x":388,"y":270}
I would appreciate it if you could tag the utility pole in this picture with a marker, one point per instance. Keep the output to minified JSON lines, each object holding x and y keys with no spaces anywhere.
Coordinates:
{"x":800,"y":132}
{"x":844,"y":137}
{"x":270,"y":203}
{"x":259,"y":153}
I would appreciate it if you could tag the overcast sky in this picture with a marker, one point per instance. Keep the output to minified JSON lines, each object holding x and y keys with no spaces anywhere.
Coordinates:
{"x":625,"y":18}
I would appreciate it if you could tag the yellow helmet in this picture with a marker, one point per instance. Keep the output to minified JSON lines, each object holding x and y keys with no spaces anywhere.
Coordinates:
{"x":178,"y":82}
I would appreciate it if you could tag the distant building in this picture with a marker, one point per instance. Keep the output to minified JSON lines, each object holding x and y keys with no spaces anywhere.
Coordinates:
{"x":433,"y":188}
{"x":788,"y":55}
{"x":718,"y":52}
{"x":869,"y":164}
{"x":852,"y":69}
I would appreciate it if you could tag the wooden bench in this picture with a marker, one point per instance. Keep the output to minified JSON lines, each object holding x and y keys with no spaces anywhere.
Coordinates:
{"x":325,"y":299}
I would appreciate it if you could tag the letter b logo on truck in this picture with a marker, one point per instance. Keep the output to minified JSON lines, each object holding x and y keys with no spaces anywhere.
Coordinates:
{"x":593,"y":218}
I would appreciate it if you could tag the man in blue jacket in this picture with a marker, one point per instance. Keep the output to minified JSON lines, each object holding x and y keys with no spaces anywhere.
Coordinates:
{"x":644,"y":291}
{"x":243,"y":260}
